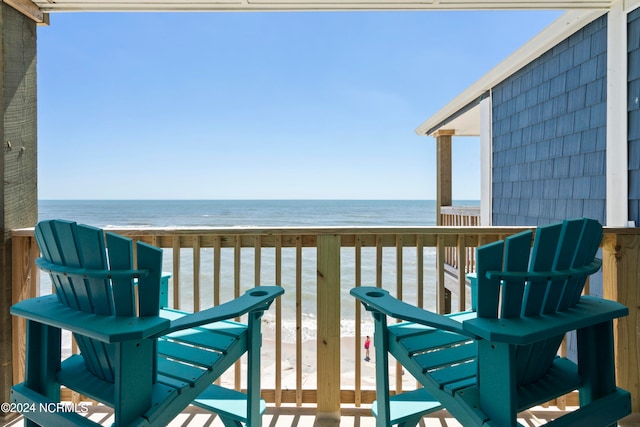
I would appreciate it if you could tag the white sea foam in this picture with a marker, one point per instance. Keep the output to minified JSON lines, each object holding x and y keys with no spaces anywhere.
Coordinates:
{"x":309,"y":328}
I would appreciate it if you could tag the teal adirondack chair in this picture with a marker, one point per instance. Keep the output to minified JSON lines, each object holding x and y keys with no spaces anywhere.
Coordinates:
{"x":147,"y":364}
{"x":488,"y":365}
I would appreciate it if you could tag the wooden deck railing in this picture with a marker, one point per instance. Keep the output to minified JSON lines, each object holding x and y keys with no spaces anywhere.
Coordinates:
{"x":322,"y":264}
{"x":460,"y":216}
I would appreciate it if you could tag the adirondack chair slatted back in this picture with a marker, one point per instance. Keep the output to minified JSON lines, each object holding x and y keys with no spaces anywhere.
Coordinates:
{"x":108,"y":285}
{"x":567,"y":248}
{"x":488,"y":365}
{"x":563,"y":256}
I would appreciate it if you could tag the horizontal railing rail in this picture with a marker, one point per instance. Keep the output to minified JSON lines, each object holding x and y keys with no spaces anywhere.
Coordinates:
{"x":317,"y":267}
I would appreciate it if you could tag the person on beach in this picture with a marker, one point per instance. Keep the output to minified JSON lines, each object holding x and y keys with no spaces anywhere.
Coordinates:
{"x":367,"y":344}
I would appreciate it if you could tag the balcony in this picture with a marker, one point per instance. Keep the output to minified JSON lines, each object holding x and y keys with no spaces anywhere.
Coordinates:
{"x":317,"y":267}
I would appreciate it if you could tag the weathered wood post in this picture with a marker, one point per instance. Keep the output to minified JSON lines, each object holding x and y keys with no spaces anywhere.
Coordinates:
{"x":18,"y":197}
{"x":444,"y":197}
{"x":26,"y":281}
{"x":621,"y":272}
{"x":443,"y":171}
{"x":328,"y":341}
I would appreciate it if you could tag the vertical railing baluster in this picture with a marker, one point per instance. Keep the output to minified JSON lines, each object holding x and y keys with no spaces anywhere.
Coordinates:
{"x":420,"y":269}
{"x":379,"y":260}
{"x":462,"y":278}
{"x":196,"y":273}
{"x":298,"y":320}
{"x":176,"y":272}
{"x":257,"y":257}
{"x":278,"y":331}
{"x":358,"y":322}
{"x":440,"y":286}
{"x":217,"y":263}
{"x":400,"y":296}
{"x":419,"y":275}
{"x":237,"y":272}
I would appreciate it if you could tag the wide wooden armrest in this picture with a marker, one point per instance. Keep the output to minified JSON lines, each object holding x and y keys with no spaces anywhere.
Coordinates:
{"x":49,"y":311}
{"x":376,"y":299}
{"x":256,"y":299}
{"x":535,"y":276}
{"x":520,"y":331}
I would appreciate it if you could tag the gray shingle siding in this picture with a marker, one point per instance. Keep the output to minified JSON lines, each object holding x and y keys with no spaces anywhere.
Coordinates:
{"x":549,"y":134}
{"x":633,"y":60}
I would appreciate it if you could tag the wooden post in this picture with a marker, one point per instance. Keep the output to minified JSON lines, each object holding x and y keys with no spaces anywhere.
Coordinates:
{"x":443,"y":198}
{"x":328,"y":342}
{"x":443,"y":171}
{"x":620,"y":273}
{"x":18,"y":126}
{"x":25,"y":251}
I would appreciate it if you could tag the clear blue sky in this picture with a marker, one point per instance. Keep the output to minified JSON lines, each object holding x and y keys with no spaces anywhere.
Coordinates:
{"x":260,"y":105}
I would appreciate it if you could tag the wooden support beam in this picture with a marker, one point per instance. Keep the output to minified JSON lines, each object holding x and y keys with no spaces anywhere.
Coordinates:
{"x":620,"y":272}
{"x":328,"y":347}
{"x":30,"y":10}
{"x":25,"y":273}
{"x":443,"y":171}
{"x":18,"y":161}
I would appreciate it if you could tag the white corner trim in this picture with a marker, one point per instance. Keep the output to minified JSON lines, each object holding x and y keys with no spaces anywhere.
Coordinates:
{"x":617,"y":174}
{"x":486,"y":163}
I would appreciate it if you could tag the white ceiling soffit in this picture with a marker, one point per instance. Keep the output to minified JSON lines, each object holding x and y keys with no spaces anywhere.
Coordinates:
{"x":457,"y":114}
{"x":266,"y":5}
{"x":467,"y":123}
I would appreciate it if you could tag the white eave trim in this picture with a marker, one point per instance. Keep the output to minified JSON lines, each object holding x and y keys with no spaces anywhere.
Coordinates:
{"x":560,"y":29}
{"x":292,"y":5}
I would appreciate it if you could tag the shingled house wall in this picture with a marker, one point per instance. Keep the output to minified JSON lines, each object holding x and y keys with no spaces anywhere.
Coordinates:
{"x":549,"y":134}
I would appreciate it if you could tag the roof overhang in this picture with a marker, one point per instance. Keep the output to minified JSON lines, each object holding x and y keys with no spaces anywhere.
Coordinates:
{"x":462,"y":114}
{"x":177,"y":5}
{"x":38,"y":9}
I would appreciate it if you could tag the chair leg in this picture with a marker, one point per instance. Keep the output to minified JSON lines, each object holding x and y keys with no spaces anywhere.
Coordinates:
{"x":411,"y":422}
{"x":42,"y":361}
{"x":496,"y":379}
{"x":230,"y":423}
{"x":254,"y":416}
{"x":381,"y":344}
{"x":134,"y":376}
{"x":596,"y":362}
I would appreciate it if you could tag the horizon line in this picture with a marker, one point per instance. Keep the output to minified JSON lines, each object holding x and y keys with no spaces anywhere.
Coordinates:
{"x":251,"y":199}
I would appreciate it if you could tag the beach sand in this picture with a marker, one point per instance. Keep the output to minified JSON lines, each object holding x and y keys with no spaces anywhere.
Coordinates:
{"x":308,"y":367}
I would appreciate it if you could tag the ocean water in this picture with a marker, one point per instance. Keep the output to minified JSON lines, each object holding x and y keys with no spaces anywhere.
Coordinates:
{"x":265,"y":213}
{"x":251,"y":213}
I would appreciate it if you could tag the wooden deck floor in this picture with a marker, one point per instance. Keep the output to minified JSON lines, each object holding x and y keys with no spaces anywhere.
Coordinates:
{"x":286,"y":416}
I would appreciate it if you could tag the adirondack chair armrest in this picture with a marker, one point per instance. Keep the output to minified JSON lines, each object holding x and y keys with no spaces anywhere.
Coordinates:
{"x":49,"y":311}
{"x":546,"y":275}
{"x":521,"y":331}
{"x":49,"y":267}
{"x":379,"y":300}
{"x":256,"y":299}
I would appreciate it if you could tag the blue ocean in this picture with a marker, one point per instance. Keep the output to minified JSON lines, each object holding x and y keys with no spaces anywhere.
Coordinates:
{"x":251,"y":213}
{"x":267,"y":213}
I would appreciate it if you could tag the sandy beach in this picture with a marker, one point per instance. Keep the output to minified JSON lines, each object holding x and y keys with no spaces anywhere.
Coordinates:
{"x":308,"y":364}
